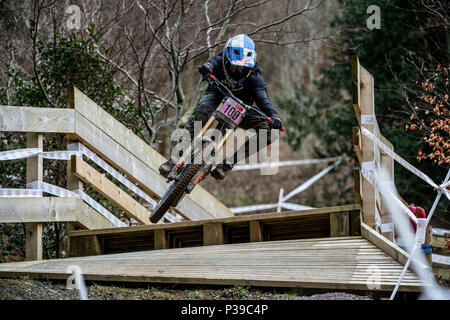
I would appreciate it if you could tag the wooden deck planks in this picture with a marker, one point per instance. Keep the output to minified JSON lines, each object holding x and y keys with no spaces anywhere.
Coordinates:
{"x":333,"y":263}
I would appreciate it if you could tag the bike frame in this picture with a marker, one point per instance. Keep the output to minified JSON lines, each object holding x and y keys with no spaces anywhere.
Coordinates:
{"x":214,"y":121}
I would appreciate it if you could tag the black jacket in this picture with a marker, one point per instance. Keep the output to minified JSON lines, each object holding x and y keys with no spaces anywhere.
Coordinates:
{"x":253,"y":89}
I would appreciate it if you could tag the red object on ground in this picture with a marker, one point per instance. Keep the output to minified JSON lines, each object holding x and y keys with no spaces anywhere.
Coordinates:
{"x":419,"y":212}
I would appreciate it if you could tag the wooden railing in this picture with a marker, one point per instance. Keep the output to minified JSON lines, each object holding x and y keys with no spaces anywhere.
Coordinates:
{"x":96,"y":135}
{"x":375,"y":214}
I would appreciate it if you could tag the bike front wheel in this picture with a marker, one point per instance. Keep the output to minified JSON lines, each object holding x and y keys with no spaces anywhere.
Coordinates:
{"x":174,"y":193}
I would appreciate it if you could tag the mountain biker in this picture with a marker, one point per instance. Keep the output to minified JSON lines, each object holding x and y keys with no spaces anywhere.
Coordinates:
{"x":236,"y":67}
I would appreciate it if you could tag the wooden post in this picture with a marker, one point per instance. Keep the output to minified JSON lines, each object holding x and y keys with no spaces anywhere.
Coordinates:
{"x":357,"y":186}
{"x":213,"y":234}
{"x":33,"y":237}
{"x":355,"y":223}
{"x":73,"y":183}
{"x":387,"y":164}
{"x":89,"y":246}
{"x":339,"y":225}
{"x":256,"y":232}
{"x":429,"y":241}
{"x":363,"y":103}
{"x":161,"y":239}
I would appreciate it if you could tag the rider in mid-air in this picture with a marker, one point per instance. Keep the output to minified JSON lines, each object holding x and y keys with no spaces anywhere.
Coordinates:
{"x":236,"y":67}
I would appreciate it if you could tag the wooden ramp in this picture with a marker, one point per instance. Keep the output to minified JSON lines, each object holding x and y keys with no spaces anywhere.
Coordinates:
{"x":291,"y":225}
{"x":350,"y":263}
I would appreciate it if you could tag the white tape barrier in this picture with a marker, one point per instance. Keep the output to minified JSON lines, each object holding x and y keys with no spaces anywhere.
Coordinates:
{"x":60,"y":192}
{"x":79,"y":150}
{"x":33,"y":152}
{"x":79,"y":147}
{"x":19,"y":154}
{"x":441,"y":232}
{"x":311,"y":181}
{"x":281,"y":202}
{"x":368,"y":175}
{"x":256,"y":207}
{"x":36,"y":188}
{"x":260,"y":207}
{"x":404,"y":163}
{"x":19,"y":193}
{"x":113,"y":172}
{"x":421,"y":232}
{"x":240,"y":167}
{"x":51,"y":189}
{"x":411,"y":257}
{"x":97,"y":206}
{"x":437,"y":258}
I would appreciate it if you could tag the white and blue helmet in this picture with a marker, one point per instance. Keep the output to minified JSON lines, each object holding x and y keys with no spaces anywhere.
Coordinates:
{"x":239,"y":58}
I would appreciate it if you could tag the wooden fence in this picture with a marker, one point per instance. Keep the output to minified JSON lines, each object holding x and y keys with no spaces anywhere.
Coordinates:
{"x":374,"y":211}
{"x":132,"y":160}
{"x":375,"y":214}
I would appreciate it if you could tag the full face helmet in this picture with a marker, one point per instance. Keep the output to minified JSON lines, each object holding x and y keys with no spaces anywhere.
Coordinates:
{"x":239,"y":59}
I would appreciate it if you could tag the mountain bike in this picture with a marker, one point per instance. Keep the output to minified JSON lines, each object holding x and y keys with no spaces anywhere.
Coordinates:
{"x":201,"y":152}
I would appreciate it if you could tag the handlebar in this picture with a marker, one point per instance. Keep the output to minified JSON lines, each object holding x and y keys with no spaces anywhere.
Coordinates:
{"x":227,"y":92}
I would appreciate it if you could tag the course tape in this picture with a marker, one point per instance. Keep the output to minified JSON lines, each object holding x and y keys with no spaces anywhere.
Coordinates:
{"x":369,"y":176}
{"x":15,"y":193}
{"x":79,"y":150}
{"x":259,"y":207}
{"x":35,"y":189}
{"x":113,"y":172}
{"x":404,"y":163}
{"x":33,"y":152}
{"x":311,"y":181}
{"x":253,"y":166}
{"x":104,"y":212}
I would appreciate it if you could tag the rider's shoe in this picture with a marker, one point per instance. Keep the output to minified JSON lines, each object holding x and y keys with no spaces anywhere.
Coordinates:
{"x":166,"y":167}
{"x":221,"y":170}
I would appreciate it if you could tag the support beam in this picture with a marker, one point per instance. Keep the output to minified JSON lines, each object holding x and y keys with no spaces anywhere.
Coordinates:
{"x":109,"y":190}
{"x":88,"y":246}
{"x":73,"y":183}
{"x":339,"y":224}
{"x":161,"y":239}
{"x":357,"y":143}
{"x":367,"y":146}
{"x":387,"y":164}
{"x":256,"y":231}
{"x":33,"y":238}
{"x":213,"y":234}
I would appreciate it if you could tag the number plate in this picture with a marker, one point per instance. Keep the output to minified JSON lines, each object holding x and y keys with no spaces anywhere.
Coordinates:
{"x":232,"y":110}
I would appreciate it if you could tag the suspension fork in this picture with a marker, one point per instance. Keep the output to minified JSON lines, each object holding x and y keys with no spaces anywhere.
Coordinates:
{"x":206,"y":127}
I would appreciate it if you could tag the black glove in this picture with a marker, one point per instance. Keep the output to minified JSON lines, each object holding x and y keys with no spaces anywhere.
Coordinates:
{"x":276,"y":122}
{"x":205,"y":69}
